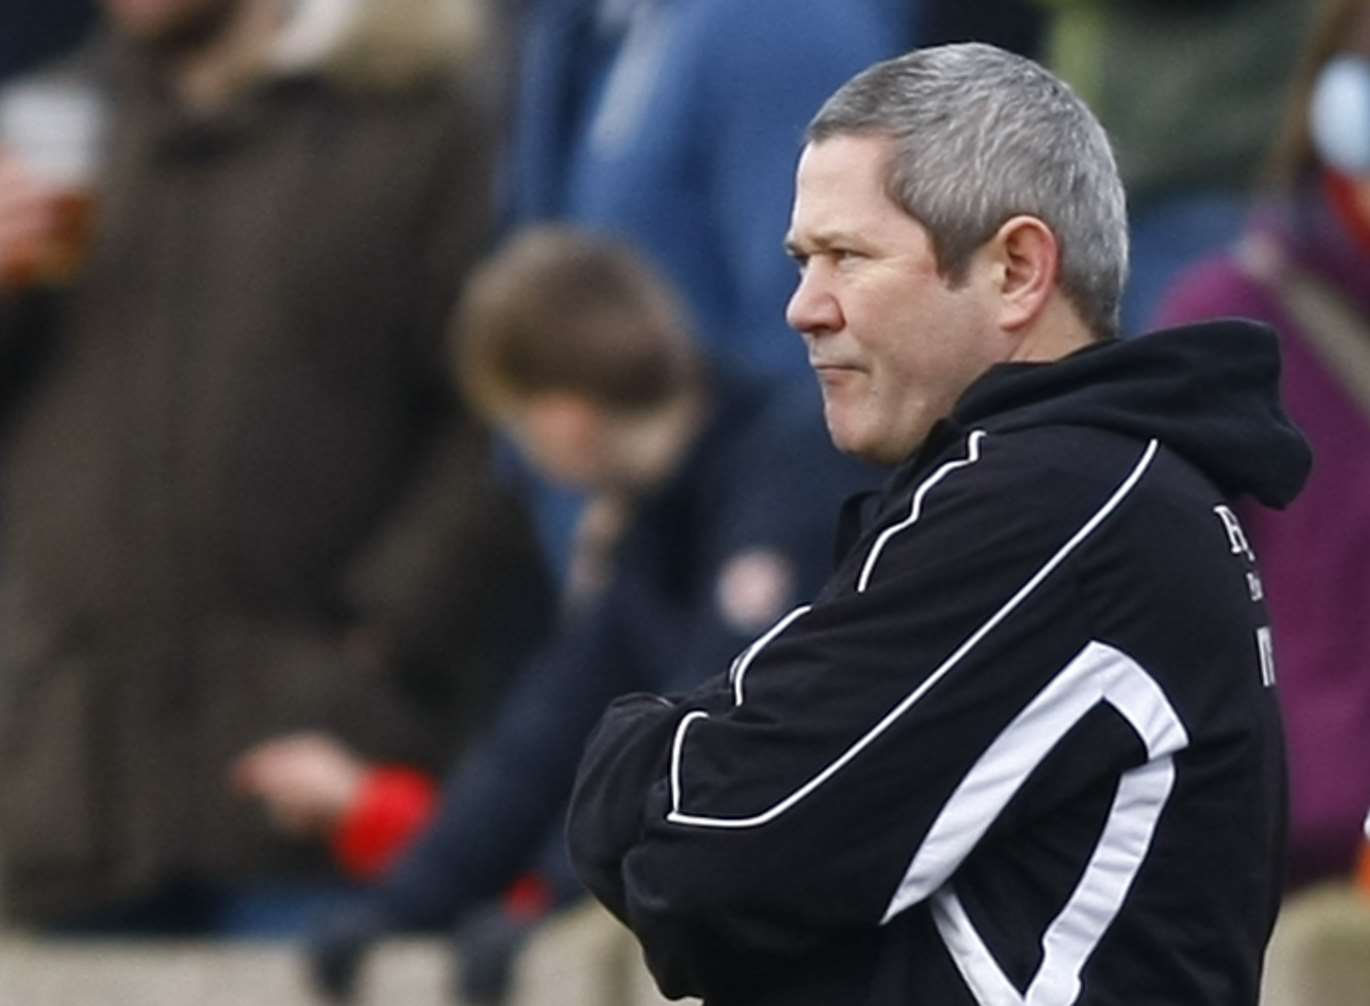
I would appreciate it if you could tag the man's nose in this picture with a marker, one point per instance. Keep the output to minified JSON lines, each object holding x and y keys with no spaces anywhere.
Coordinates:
{"x":813,"y":309}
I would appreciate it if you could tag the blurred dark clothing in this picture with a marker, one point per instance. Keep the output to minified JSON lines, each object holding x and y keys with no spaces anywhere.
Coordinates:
{"x":239,"y":497}
{"x":761,"y":484}
{"x":1304,"y":268}
{"x":1016,"y":25}
{"x":189,"y":907}
{"x":905,"y":793}
{"x":35,"y":31}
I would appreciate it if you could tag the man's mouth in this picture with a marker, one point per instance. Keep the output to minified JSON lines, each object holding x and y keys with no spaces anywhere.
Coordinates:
{"x":835,"y":373}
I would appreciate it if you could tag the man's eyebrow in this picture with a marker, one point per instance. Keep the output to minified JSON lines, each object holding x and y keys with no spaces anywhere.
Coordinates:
{"x":821,"y":241}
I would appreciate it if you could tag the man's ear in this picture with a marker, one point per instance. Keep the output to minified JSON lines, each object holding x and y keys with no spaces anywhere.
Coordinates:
{"x":1027,"y":259}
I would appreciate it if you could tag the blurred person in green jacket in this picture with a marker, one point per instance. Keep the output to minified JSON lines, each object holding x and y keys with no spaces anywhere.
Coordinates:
{"x":1190,"y":92}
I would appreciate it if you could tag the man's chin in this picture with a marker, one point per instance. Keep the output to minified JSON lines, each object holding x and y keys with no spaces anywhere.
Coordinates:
{"x":843,"y":437}
{"x":861,"y":445}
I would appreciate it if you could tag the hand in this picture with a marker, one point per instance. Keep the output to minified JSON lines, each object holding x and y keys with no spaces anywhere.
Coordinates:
{"x":307,"y":781}
{"x":29,"y":222}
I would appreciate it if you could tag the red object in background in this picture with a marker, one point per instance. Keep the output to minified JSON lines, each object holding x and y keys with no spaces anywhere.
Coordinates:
{"x":528,"y":898}
{"x":394,"y":806}
{"x":1343,"y":194}
{"x":1363,"y":871}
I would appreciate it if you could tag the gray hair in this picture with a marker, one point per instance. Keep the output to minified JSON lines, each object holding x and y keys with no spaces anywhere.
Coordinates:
{"x":981,"y":135}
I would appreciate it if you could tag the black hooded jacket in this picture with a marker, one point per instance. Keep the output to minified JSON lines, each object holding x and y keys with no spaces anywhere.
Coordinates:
{"x":1024,"y":746}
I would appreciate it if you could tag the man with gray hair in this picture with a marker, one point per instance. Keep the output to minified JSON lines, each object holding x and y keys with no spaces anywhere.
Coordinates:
{"x":1024,"y":746}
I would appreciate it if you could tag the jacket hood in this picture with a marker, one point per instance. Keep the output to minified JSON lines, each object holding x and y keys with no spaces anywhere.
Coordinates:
{"x":1209,"y":392}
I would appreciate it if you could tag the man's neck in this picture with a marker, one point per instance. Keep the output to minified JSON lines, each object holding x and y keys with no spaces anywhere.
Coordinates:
{"x":1057,"y":332}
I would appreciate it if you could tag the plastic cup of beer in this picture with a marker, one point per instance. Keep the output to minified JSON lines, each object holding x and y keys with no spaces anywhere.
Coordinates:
{"x":54,"y":129}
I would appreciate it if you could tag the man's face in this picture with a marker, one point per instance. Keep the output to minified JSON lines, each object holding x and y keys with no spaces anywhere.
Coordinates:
{"x":892,"y":343}
{"x":170,"y":24}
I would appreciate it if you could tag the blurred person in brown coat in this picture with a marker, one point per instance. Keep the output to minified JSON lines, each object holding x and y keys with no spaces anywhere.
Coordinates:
{"x":239,"y":501}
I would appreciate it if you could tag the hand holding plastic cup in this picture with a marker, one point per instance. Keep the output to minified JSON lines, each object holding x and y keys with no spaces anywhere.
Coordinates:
{"x":50,"y":139}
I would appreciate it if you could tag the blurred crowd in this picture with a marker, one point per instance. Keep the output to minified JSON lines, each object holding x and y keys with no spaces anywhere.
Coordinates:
{"x":386,"y":386}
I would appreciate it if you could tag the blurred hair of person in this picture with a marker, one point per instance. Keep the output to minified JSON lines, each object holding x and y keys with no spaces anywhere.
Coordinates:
{"x":1303,"y":265}
{"x":34,"y":31}
{"x":1189,"y":93}
{"x":242,"y":506}
{"x":714,"y":499}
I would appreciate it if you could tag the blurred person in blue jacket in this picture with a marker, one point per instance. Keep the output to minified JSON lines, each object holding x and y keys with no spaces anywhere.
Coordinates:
{"x":714,"y":498}
{"x":675,"y":125}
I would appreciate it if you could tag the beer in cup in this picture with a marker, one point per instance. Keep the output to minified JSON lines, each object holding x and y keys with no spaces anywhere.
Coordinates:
{"x":53,"y":130}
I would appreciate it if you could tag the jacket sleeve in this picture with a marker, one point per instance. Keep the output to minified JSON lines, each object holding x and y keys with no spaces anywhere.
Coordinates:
{"x":508,"y":793}
{"x":856,"y":754}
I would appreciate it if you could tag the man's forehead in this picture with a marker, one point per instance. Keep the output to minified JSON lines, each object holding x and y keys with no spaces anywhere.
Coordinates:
{"x":844,"y":155}
{"x":840,"y":191}
{"x":842,"y":173}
